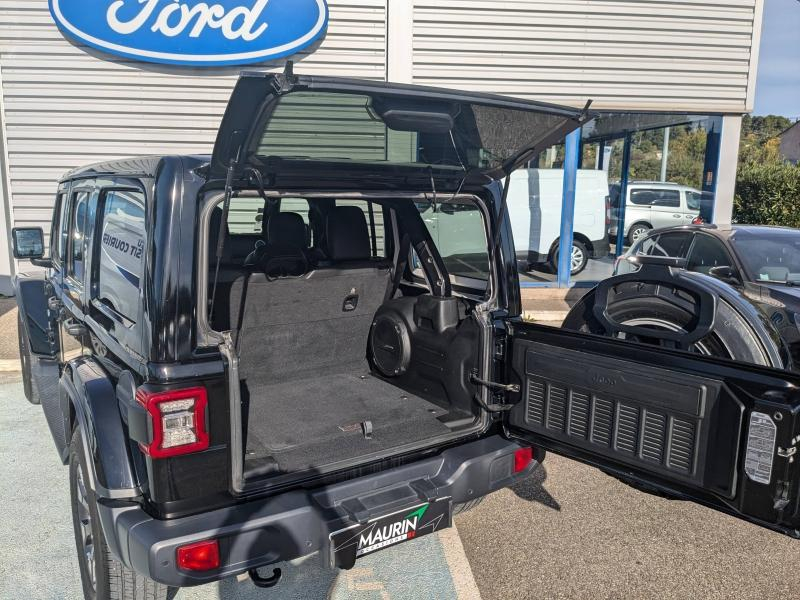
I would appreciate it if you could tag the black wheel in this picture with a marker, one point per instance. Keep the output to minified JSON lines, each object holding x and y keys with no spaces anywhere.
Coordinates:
{"x":665,"y":308}
{"x":25,"y":361}
{"x":579,"y":258}
{"x":637,"y":232}
{"x":465,"y":506}
{"x":103,"y":577}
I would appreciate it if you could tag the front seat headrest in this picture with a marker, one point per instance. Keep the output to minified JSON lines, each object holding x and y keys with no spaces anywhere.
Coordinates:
{"x":347,"y":234}
{"x":287,"y":229}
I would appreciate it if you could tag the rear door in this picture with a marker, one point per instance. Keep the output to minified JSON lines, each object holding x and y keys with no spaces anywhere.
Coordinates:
{"x":274,"y":121}
{"x":719,"y":433}
{"x":666,"y":209}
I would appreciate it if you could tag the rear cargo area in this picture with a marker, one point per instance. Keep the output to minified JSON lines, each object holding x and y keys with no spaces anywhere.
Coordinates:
{"x":302,"y":424}
{"x":313,"y":397}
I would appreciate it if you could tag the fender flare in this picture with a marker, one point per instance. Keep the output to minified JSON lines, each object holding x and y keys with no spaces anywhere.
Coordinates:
{"x":105,"y":443}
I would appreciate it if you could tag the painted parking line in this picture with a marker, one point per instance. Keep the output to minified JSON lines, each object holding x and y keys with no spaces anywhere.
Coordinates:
{"x":39,"y":554}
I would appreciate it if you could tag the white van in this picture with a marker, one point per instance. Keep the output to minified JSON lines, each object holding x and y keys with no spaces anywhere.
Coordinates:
{"x":534,"y":205}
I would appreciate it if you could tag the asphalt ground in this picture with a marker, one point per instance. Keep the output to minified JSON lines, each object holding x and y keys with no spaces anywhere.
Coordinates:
{"x":573,"y":532}
{"x":38,"y":557}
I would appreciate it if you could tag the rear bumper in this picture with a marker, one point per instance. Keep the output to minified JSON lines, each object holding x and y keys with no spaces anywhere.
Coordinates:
{"x":299,"y":523}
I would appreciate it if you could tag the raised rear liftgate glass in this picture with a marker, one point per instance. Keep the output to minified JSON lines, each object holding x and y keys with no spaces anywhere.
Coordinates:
{"x":335,"y":127}
{"x":277,"y":117}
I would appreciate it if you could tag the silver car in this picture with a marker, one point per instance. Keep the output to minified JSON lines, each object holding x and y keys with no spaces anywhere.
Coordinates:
{"x":652,"y":205}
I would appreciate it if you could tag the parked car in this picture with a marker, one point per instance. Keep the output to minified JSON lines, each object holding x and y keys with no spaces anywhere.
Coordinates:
{"x":762,"y":262}
{"x":534,"y":204}
{"x":652,"y":205}
{"x":325,"y":396}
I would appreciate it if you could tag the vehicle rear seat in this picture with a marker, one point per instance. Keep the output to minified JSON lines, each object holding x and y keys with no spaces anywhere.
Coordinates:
{"x":319,"y":321}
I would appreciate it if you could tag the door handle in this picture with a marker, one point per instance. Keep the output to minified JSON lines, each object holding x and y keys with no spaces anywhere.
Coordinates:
{"x":74,"y":328}
{"x":677,"y":216}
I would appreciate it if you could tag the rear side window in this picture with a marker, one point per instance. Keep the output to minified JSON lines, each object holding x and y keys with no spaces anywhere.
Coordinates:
{"x":671,"y":198}
{"x":122,"y":243}
{"x":693,"y":200}
{"x":457,"y":230}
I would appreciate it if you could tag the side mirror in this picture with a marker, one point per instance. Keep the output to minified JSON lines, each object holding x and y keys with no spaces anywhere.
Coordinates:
{"x":28,"y":242}
{"x":726,"y":274}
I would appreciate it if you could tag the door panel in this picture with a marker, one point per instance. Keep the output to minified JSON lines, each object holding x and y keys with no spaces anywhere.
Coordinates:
{"x":704,"y":429}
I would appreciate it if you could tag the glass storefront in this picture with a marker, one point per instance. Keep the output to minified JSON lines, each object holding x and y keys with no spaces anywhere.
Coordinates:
{"x":636,"y":172}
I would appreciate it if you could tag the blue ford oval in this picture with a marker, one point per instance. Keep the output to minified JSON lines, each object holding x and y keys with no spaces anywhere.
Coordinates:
{"x":193,"y":32}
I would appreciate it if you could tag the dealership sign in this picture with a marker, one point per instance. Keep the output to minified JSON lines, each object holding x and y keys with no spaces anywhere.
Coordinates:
{"x":191,"y":32}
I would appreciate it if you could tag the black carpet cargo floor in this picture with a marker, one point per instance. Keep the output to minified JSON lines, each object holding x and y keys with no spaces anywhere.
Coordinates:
{"x":307,"y":423}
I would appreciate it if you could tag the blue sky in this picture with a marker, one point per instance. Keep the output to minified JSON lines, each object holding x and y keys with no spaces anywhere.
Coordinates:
{"x":778,"y":84}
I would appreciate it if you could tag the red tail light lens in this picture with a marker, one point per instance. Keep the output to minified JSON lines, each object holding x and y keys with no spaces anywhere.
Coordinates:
{"x":177,"y":419}
{"x":522,"y":458}
{"x":202,"y":556}
{"x":698,"y":221}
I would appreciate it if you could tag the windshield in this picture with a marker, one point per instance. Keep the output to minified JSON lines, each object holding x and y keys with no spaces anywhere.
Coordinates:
{"x":363,"y":128}
{"x":769,"y":255}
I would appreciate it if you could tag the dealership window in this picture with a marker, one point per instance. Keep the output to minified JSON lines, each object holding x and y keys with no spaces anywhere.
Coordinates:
{"x":636,"y":172}
{"x":121,"y":257}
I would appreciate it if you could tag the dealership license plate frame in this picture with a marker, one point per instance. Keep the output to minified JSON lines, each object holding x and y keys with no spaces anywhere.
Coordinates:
{"x":432,"y":516}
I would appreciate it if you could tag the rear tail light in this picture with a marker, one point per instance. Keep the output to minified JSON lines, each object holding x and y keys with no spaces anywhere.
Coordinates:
{"x":522,"y":458}
{"x":698,"y":220}
{"x":177,"y":421}
{"x":608,"y":211}
{"x":202,"y":556}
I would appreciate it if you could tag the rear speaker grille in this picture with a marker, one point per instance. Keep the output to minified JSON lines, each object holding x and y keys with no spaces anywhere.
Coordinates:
{"x":615,"y":424}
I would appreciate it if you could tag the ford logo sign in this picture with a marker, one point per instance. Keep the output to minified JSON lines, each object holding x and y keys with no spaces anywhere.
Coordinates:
{"x":192,"y":32}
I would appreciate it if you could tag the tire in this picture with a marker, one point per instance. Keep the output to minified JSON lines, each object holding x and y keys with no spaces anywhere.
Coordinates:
{"x":25,"y":359}
{"x":637,"y":232}
{"x":580,"y":258}
{"x":103,"y":577}
{"x":647,"y":305}
{"x":466,"y":506}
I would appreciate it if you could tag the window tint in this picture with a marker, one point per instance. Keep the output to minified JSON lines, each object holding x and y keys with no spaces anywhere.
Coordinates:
{"x":375,"y":221}
{"x":56,"y":240}
{"x":671,"y":198}
{"x":64,"y":235}
{"x":671,"y":245}
{"x":121,"y":252}
{"x":78,"y":222}
{"x":707,"y":253}
{"x":457,"y":230}
{"x":693,"y":200}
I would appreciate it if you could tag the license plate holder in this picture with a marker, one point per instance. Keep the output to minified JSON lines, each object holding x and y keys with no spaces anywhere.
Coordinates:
{"x":351,"y":543}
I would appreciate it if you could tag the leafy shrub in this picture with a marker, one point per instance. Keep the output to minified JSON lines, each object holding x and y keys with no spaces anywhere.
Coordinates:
{"x":768,"y":194}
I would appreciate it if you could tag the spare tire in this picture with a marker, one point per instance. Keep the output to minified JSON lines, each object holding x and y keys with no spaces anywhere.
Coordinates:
{"x":665,"y":307}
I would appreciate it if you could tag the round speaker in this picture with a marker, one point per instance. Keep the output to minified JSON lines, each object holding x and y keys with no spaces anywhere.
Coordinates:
{"x":390,"y":345}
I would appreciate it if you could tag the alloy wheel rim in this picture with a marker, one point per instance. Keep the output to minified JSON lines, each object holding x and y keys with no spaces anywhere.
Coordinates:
{"x":576,"y":259}
{"x":638,"y":234}
{"x":85,"y":521}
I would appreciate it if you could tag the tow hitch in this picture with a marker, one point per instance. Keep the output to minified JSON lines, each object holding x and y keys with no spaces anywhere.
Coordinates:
{"x":265,"y":582}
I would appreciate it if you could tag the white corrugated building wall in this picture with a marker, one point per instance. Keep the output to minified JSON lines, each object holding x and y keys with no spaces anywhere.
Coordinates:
{"x":63,"y":105}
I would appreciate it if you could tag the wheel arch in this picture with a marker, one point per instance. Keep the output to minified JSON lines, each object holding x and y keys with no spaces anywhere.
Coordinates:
{"x":90,"y":403}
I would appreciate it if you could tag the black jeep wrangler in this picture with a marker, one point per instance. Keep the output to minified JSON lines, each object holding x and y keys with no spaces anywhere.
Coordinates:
{"x":270,"y":352}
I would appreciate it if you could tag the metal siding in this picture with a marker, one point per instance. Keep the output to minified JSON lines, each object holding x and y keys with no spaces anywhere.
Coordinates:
{"x":631,"y":55}
{"x":67,"y":105}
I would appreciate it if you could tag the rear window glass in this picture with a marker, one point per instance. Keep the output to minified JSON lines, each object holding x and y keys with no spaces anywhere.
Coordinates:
{"x":122,"y":252}
{"x":362,"y":128}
